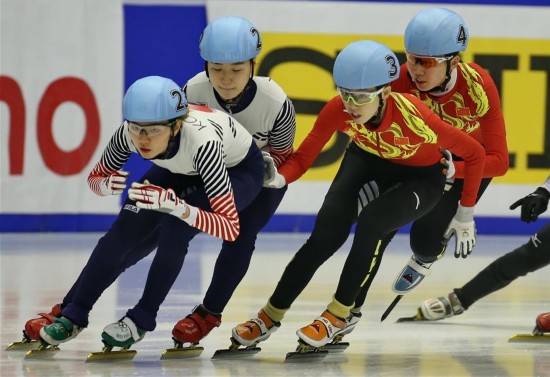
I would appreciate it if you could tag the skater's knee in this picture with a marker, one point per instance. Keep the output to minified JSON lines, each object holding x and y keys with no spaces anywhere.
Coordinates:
{"x":527,"y":258}
{"x":321,"y":245}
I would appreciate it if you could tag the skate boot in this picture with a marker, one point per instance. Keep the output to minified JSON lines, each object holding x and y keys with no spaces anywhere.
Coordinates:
{"x":31,"y":334}
{"x":51,"y":336}
{"x":313,"y":337}
{"x":413,"y":273}
{"x":542,"y":324}
{"x":435,"y":309}
{"x":191,"y":330}
{"x":61,"y":331}
{"x":249,"y":334}
{"x":123,"y":334}
{"x":337,"y":345}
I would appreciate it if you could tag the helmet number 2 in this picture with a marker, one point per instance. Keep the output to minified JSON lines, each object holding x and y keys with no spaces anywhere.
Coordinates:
{"x":181,"y":103}
{"x":256,"y":34}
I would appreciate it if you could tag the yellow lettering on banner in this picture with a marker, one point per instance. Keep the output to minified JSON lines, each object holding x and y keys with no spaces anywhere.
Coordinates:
{"x":302,"y":65}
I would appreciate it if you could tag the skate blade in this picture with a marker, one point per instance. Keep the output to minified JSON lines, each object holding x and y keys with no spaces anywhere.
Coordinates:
{"x":310,"y":355}
{"x":42,"y":353}
{"x":236,"y":353}
{"x":531,"y":338}
{"x":22,"y":346}
{"x":305,"y":352}
{"x":121,"y":355}
{"x":336,"y":347}
{"x":181,"y":353}
{"x":415,"y":318}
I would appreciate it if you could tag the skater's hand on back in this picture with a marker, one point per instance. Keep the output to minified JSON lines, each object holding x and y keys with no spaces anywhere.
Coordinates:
{"x":533,"y":204}
{"x":153,"y":197}
{"x":114,"y":183}
{"x":463,"y":228}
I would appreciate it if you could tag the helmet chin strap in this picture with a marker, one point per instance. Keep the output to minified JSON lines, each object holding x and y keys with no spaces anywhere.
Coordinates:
{"x":377,"y":118}
{"x":171,"y":142}
{"x":235,"y":101}
{"x":228,"y":104}
{"x":443,"y":86}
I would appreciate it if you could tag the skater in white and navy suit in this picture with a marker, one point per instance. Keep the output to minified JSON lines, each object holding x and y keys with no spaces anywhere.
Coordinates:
{"x":207,"y":169}
{"x":229,"y":45}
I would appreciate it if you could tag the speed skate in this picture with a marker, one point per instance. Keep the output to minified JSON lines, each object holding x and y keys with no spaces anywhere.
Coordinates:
{"x":541,"y":332}
{"x":107,"y":354}
{"x":181,"y":352}
{"x":530,"y":338}
{"x":537,"y":335}
{"x":236,"y":350}
{"x":25,"y":344}
{"x":44,"y":350}
{"x":306,"y":352}
{"x":415,"y":318}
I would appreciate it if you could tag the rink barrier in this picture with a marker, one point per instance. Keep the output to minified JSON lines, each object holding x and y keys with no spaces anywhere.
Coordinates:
{"x":283,"y":223}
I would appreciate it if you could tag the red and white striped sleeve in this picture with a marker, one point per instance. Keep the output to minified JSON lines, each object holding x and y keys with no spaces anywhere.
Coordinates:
{"x":223,"y":222}
{"x":113,"y":158}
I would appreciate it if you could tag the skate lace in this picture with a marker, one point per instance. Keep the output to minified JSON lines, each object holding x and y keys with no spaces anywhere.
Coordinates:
{"x":122,"y":324}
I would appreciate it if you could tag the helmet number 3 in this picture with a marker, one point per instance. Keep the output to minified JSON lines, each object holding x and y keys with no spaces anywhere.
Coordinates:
{"x":392,"y":72}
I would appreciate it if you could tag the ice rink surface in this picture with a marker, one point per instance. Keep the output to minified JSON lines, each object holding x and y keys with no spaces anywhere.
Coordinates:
{"x":38,"y":269}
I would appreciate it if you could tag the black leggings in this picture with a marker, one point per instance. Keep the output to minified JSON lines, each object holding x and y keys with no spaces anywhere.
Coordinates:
{"x":415,"y":191}
{"x":529,"y":257}
{"x":426,"y":237}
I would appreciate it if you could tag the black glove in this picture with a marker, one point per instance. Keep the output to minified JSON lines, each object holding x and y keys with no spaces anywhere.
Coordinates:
{"x":533,"y":205}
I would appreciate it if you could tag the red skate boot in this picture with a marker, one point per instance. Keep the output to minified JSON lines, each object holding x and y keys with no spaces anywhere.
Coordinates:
{"x":33,"y":326}
{"x":541,"y":332}
{"x":542,"y":324}
{"x":31,"y":334}
{"x":191,"y":330}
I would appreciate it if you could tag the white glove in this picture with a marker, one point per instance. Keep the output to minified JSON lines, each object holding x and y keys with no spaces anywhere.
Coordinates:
{"x":464,"y":229}
{"x":448,"y":164}
{"x":153,"y":197}
{"x":114,"y":184}
{"x":272,"y":178}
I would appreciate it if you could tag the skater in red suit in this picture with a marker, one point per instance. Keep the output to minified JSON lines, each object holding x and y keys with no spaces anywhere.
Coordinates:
{"x":397,"y":141}
{"x":464,"y":95}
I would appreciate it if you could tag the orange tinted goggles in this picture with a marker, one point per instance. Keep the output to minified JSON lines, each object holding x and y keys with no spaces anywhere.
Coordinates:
{"x":426,"y":61}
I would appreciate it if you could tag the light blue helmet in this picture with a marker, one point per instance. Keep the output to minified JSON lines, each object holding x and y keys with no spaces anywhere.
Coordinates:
{"x":436,"y":32}
{"x":230,"y":39}
{"x":152,"y":99}
{"x":365,"y":64}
